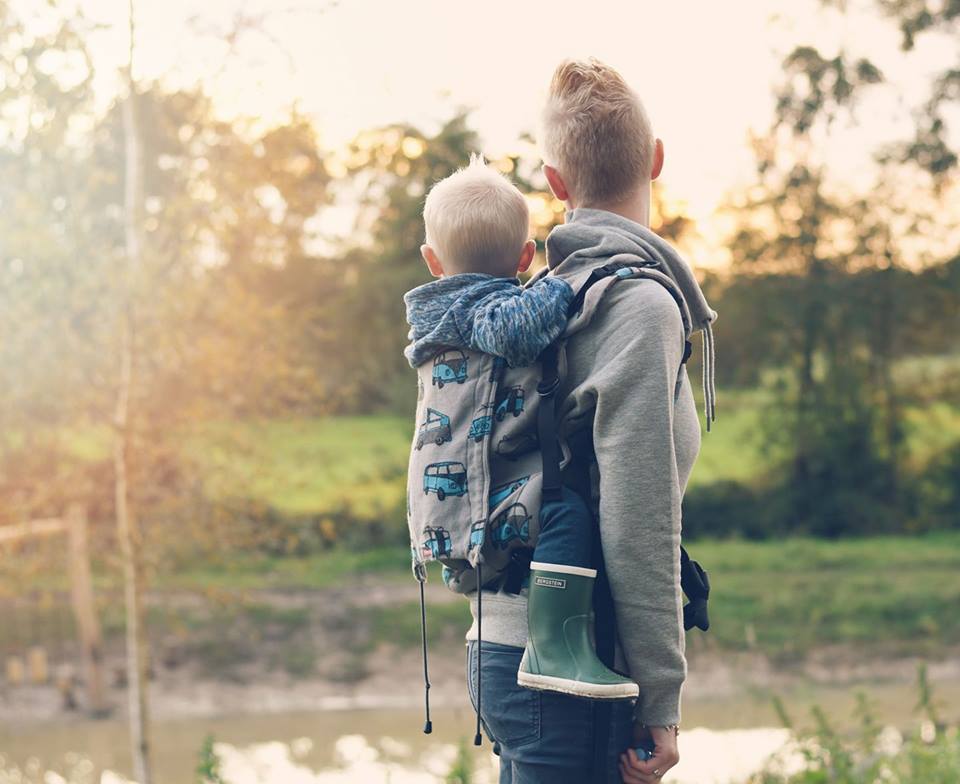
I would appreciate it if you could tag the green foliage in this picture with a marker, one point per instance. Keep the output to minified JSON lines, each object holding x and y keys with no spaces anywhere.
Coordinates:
{"x":400,"y":624}
{"x":461,"y":772}
{"x":930,"y":755}
{"x":788,"y":597}
{"x":208,"y":765}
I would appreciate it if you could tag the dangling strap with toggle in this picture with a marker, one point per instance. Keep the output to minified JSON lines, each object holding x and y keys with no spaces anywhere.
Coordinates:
{"x":478,"y":739}
{"x":427,"y":725}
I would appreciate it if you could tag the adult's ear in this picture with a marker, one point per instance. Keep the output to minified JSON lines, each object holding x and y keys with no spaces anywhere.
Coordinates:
{"x":526,"y":256}
{"x":556,"y":183}
{"x":657,"y":166}
{"x":433,"y":263}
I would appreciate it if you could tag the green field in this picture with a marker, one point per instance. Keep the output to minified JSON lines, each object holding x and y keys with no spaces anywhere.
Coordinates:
{"x":871,"y":598}
{"x":784,"y":598}
{"x":357,"y":464}
{"x":353,"y":467}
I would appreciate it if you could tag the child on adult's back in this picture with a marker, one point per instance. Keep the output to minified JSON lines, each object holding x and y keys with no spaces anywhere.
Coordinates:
{"x":477,"y":241}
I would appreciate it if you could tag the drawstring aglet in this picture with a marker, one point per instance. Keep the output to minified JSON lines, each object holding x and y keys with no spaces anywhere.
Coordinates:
{"x":477,"y":739}
{"x":427,"y":724}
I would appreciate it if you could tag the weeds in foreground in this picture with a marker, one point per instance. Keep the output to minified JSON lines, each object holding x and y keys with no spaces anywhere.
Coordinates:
{"x":208,"y":764}
{"x":929,"y":754}
{"x":461,"y":772}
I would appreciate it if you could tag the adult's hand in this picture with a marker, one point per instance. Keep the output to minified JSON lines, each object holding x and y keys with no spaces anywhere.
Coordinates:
{"x":633,"y":770}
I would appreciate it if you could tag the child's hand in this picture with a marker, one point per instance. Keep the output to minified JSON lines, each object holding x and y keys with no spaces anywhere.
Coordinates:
{"x":633,"y":770}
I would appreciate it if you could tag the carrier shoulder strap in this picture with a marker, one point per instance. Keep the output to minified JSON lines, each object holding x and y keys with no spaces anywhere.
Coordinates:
{"x":694,"y":580}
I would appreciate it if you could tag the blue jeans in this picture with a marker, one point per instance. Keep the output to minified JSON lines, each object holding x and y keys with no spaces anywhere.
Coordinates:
{"x":566,"y":532}
{"x":545,"y":737}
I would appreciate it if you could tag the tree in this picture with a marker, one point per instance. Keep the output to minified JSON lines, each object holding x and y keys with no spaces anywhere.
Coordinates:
{"x":837,"y":348}
{"x":128,"y":527}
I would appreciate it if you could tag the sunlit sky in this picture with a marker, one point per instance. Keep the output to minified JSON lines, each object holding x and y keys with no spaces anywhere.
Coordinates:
{"x":704,"y":69}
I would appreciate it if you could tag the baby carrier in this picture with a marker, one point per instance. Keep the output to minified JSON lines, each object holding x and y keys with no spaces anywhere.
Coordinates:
{"x":478,"y":419}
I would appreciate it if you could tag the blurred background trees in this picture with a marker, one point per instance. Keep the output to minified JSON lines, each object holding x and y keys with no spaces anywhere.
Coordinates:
{"x":264,"y":348}
{"x":269,"y":409}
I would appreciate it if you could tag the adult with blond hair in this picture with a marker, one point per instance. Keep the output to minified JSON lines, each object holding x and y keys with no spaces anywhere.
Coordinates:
{"x":625,"y":409}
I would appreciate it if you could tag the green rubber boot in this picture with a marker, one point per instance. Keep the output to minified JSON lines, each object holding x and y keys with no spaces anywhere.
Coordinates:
{"x":559,"y":654}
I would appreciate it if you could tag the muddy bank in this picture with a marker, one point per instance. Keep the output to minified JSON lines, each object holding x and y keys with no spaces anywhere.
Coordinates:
{"x":715,"y":682}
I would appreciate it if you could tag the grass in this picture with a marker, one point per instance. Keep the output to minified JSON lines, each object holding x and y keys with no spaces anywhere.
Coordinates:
{"x":308,"y":466}
{"x":787,"y":598}
{"x":354,"y":468}
{"x":357,"y":465}
{"x":732,"y":451}
{"x":884,"y":595}
{"x":248,"y":571}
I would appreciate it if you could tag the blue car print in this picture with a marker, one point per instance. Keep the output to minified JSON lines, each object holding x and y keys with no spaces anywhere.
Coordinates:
{"x":437,"y":542}
{"x":449,"y":367}
{"x":512,"y":523}
{"x":446,"y":478}
{"x":436,"y":428}
{"x":509,"y":401}
{"x":502,"y":492}
{"x":477,"y":531}
{"x":479,"y":427}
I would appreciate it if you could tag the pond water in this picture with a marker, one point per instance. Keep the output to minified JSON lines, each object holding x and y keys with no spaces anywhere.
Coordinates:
{"x":723,"y":742}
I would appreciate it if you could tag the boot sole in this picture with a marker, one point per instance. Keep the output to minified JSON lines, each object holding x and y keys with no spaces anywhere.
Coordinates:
{"x":595,"y":691}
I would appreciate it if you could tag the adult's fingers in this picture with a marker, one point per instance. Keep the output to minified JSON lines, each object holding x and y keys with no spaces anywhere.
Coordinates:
{"x":662,"y":760}
{"x":630,"y":773}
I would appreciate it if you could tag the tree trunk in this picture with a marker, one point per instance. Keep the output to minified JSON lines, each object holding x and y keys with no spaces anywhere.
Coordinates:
{"x":127,"y":526}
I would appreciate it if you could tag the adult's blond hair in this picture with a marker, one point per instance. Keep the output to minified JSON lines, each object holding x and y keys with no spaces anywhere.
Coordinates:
{"x":476,"y":220}
{"x":596,"y":133}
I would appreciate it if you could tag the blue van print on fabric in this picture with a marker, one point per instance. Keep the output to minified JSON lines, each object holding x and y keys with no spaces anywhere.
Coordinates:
{"x":476,"y":534}
{"x":436,"y":428}
{"x":437,"y":542}
{"x":480,"y":427}
{"x":509,"y":401}
{"x":446,"y":478}
{"x":449,"y":367}
{"x":502,"y":492}
{"x":512,"y":523}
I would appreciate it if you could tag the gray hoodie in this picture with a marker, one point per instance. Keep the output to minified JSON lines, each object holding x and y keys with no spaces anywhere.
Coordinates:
{"x":625,"y":380}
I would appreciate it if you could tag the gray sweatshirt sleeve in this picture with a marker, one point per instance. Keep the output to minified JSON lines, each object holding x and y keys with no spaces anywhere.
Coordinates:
{"x":635,"y":373}
{"x":520,"y":323}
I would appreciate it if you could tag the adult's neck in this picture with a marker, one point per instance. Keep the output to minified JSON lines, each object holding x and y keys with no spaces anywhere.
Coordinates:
{"x":635,"y":207}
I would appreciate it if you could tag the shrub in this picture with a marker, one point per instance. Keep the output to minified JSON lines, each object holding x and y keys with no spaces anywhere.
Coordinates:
{"x":930,"y":755}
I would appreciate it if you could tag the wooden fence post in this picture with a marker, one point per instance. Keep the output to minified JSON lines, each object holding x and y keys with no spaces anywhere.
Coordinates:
{"x":84,"y":610}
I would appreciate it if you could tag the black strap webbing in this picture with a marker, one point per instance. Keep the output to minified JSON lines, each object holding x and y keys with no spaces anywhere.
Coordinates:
{"x":546,"y":423}
{"x":696,"y":585}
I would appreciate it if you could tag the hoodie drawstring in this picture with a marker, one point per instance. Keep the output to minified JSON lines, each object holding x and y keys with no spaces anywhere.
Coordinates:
{"x":477,"y":739}
{"x":709,"y":382}
{"x":427,"y":725}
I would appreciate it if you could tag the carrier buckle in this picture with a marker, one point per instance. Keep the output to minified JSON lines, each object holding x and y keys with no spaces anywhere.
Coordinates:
{"x":548,"y":386}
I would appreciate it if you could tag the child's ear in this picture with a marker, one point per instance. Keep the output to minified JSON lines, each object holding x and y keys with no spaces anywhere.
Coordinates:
{"x":526,"y":256}
{"x":433,"y":263}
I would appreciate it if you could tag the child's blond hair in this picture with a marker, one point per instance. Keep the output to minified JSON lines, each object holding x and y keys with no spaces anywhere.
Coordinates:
{"x":477,"y":221}
{"x":596,"y":133}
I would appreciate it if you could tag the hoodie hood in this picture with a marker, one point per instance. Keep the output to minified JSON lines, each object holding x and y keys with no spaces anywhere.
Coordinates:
{"x":590,"y":238}
{"x":440,"y":312}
